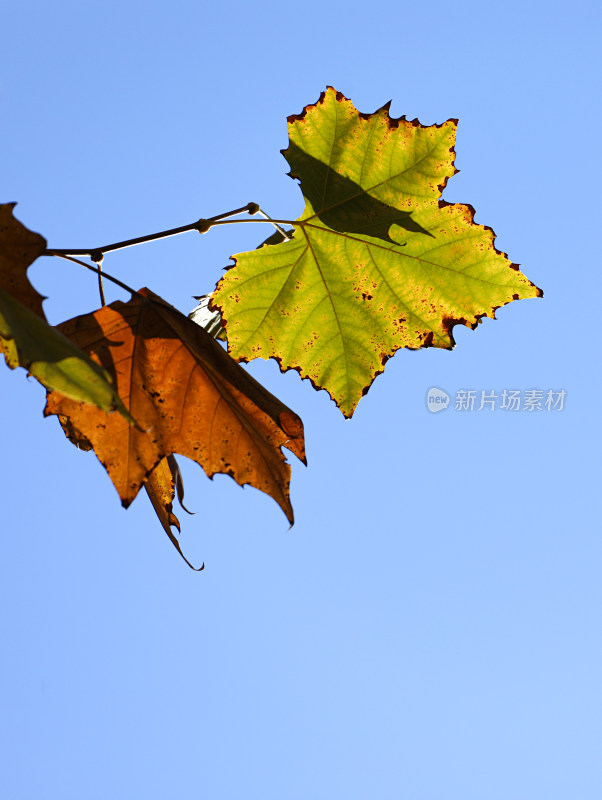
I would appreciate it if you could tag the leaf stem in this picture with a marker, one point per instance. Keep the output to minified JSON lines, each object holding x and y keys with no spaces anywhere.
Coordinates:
{"x":99,"y":272}
{"x":271,"y":220}
{"x":101,"y":288}
{"x":285,"y":234}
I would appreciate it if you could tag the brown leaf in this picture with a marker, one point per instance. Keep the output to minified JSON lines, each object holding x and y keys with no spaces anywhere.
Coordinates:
{"x":178,"y":482}
{"x":188,"y":397}
{"x":19,"y":248}
{"x":161,"y":486}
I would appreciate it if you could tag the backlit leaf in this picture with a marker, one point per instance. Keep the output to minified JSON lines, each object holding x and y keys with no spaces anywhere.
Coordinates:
{"x":187,"y":396}
{"x":377,"y":262}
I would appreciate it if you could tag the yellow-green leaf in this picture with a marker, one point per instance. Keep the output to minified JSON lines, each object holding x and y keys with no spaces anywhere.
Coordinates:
{"x":377,"y":262}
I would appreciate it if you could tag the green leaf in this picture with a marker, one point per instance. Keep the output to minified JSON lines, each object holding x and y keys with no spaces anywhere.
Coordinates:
{"x":29,"y":341}
{"x":377,"y":262}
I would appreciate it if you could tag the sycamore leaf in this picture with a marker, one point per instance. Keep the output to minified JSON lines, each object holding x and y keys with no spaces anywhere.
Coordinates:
{"x":377,"y":261}
{"x":19,"y":247}
{"x":187,"y":396}
{"x":26,"y":338}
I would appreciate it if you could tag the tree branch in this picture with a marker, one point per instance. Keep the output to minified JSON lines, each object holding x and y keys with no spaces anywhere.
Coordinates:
{"x":201,"y":225}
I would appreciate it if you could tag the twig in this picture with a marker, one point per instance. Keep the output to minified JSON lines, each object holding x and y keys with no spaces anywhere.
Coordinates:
{"x":201,"y":225}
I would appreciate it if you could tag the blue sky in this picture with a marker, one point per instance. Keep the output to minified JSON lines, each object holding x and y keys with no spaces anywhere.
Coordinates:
{"x":430,"y":627}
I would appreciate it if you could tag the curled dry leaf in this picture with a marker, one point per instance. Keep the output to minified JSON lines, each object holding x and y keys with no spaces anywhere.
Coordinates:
{"x":161,"y":487}
{"x":186,"y":395}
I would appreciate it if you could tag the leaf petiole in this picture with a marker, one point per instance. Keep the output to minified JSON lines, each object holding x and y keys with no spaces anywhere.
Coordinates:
{"x":98,"y":261}
{"x":101,"y":274}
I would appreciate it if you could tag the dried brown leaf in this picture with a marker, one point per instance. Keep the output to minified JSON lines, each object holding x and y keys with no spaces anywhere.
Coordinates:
{"x":187,"y":396}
